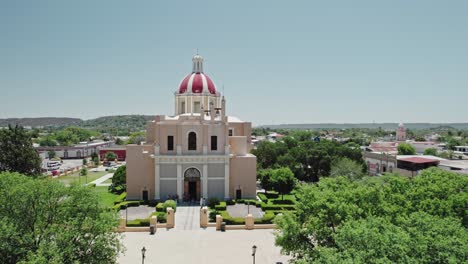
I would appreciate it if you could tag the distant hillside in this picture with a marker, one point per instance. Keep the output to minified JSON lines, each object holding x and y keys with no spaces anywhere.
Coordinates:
{"x":385,"y":126}
{"x":106,"y":123}
{"x":130,"y":122}
{"x":41,"y":121}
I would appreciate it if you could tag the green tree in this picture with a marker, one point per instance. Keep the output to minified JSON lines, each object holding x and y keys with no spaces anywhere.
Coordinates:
{"x":388,"y":219}
{"x":282,"y":180}
{"x":119,"y":180}
{"x":85,"y":161}
{"x":451,"y":143}
{"x":137,"y":137}
{"x":95,"y":158}
{"x":110,"y":156}
{"x":51,"y":154}
{"x":83,"y":172}
{"x":264,"y":175}
{"x":47,"y":222}
{"x":119,"y":141}
{"x":406,"y":149}
{"x":430,"y":151}
{"x":348,"y":168}
{"x":47,"y":141}
{"x":17,"y":152}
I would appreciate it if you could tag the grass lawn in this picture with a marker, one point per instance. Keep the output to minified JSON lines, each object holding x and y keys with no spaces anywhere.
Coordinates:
{"x":107,"y":198}
{"x":108,"y":181}
{"x":75,"y":177}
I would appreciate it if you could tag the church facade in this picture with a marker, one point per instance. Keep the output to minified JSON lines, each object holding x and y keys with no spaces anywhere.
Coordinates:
{"x":200,"y":151}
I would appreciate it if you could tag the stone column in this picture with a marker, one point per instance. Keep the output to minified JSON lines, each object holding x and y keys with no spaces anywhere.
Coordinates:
{"x":154,"y":221}
{"x":205,"y":181}
{"x":249,"y":222}
{"x":219,"y":220}
{"x":226,"y":178}
{"x":156,"y":174}
{"x":204,"y":217}
{"x":179,"y":181}
{"x":170,"y":218}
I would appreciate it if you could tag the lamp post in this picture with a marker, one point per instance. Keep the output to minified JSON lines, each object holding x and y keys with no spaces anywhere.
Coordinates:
{"x":126,"y":214}
{"x":248,"y":207}
{"x":254,"y":249}
{"x":143,"y":251}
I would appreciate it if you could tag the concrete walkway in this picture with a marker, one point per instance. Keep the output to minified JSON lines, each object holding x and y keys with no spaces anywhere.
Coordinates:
{"x":99,"y":182}
{"x":187,"y":217}
{"x":201,"y":247}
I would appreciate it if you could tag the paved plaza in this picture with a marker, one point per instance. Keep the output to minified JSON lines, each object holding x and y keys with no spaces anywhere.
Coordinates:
{"x":241,"y":210}
{"x":205,"y":246}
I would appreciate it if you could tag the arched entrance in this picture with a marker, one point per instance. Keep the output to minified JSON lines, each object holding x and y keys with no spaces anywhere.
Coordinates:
{"x":192,"y":178}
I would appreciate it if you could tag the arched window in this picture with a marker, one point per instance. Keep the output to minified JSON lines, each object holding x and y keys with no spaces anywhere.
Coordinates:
{"x":192,"y":141}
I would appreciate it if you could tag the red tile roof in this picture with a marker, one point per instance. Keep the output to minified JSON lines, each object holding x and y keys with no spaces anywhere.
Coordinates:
{"x":419,"y":160}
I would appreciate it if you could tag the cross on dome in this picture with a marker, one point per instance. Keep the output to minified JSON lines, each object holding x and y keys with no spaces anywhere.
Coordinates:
{"x":197,"y":82}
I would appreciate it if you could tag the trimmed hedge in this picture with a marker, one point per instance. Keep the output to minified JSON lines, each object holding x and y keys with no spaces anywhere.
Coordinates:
{"x":161,"y":216}
{"x":138,"y":222}
{"x":169,"y":203}
{"x":212,"y":215}
{"x":221,"y":206}
{"x":231,"y":220}
{"x":230,"y":202}
{"x":285,"y":201}
{"x":212,"y":202}
{"x":274,"y":207}
{"x":160,"y":207}
{"x":120,"y":198}
{"x":263,"y":197}
{"x":266,"y":219}
{"x":125,"y":204}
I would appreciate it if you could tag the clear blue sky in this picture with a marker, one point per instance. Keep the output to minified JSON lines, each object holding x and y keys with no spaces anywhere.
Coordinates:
{"x":280,"y":61}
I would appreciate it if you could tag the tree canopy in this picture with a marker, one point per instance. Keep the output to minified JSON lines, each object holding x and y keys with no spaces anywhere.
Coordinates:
{"x":42,"y":221}
{"x":406,"y":149}
{"x":17,"y":152}
{"x":282,"y":180}
{"x":348,"y":168}
{"x":388,"y":219}
{"x":308,"y":160}
{"x":430,"y":151}
{"x":119,"y":180}
{"x":111,"y":156}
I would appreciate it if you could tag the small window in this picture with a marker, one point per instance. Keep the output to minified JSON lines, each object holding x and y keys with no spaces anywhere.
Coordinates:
{"x":170,"y":143}
{"x":231,"y":132}
{"x":214,"y":143}
{"x":192,"y":141}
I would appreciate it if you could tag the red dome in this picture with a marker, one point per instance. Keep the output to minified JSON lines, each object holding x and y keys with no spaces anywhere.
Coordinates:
{"x":197,"y":83}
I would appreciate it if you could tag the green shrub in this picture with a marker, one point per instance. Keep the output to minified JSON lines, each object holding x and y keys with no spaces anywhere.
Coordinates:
{"x":161,"y":216}
{"x":138,"y":222}
{"x":285,"y":201}
{"x":221,"y":206}
{"x":231,"y":220}
{"x":230,"y":202}
{"x":123,"y":205}
{"x":272,"y":195}
{"x":270,"y":207}
{"x":266,"y":219}
{"x":160,"y":207}
{"x":169,"y":203}
{"x":212,"y":202}
{"x":263,"y":197}
{"x":212,"y":215}
{"x":120,"y":198}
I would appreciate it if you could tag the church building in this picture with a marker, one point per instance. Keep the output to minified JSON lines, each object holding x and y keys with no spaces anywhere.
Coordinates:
{"x":200,"y":151}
